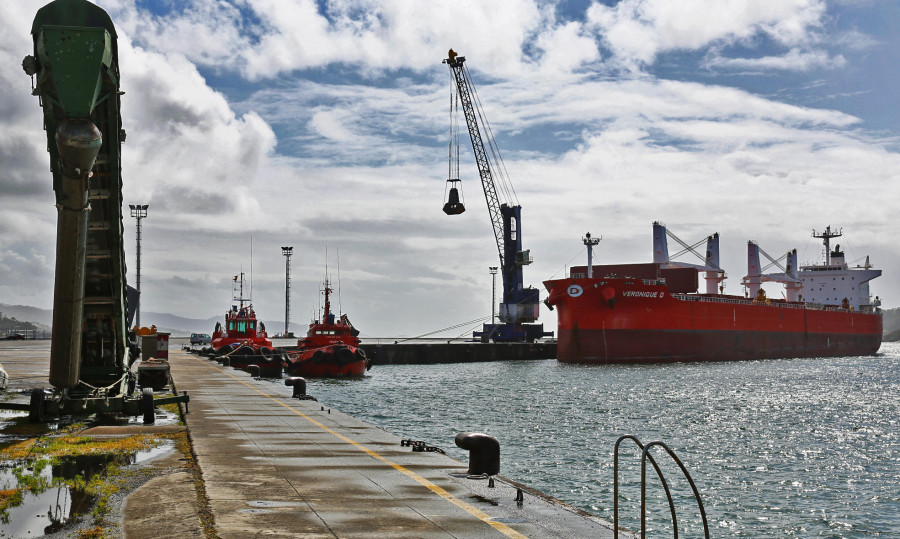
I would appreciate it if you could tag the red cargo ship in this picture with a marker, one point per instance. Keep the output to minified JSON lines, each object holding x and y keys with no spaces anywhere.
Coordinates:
{"x":330,"y":348}
{"x":653,"y":313}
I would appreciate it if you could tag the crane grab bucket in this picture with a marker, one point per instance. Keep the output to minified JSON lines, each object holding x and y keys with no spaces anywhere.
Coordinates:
{"x":453,"y":206}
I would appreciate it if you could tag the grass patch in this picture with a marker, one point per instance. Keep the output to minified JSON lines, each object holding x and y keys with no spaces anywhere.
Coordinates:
{"x":69,"y":445}
{"x":82,"y":464}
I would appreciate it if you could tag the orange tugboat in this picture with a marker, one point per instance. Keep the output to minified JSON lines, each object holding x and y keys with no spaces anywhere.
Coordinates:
{"x":243,"y":339}
{"x":330,"y":348}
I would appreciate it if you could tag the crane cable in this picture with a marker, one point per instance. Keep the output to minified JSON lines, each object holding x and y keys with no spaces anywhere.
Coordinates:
{"x":503,"y":175}
{"x":461,"y":324}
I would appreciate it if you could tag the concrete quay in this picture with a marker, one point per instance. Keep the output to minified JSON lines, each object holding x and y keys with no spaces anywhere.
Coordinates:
{"x":276,"y":466}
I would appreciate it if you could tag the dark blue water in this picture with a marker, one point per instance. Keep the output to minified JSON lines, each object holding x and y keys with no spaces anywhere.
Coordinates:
{"x":778,"y":448}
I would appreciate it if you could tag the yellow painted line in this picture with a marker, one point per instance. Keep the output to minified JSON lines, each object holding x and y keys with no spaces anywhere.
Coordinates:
{"x":472,"y":510}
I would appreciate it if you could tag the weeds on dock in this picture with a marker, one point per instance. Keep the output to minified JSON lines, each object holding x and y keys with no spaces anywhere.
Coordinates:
{"x":90,"y":468}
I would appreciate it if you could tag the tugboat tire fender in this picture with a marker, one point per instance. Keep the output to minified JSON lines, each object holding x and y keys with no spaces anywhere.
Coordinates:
{"x":344,"y":356}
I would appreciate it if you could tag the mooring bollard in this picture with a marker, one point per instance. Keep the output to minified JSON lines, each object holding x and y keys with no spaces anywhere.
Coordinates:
{"x":484,"y":452}
{"x":299,"y":385}
{"x":226,"y":361}
{"x":253,"y":370}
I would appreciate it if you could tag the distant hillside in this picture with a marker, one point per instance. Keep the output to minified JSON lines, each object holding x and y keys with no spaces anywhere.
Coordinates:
{"x":892,"y":325}
{"x":178,"y":326}
{"x":42,"y":318}
{"x":11,"y":324}
{"x":891,"y":319}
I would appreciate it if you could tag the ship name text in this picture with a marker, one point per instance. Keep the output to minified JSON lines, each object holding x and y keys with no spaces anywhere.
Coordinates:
{"x":643,"y":294}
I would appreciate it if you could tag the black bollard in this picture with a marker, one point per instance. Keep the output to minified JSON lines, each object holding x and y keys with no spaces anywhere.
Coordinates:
{"x":226,"y":361}
{"x":484,"y":452}
{"x":253,"y":370}
{"x":299,"y":385}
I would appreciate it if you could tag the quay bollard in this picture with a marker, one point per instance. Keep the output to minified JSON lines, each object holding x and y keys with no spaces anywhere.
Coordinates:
{"x":253,"y":370}
{"x":226,"y":361}
{"x":299,"y":385}
{"x":484,"y":452}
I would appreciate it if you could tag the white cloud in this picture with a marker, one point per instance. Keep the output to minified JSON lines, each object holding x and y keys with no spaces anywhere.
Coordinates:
{"x":793,"y":60}
{"x":636,"y":31}
{"x":566,"y":48}
{"x":361,"y":168}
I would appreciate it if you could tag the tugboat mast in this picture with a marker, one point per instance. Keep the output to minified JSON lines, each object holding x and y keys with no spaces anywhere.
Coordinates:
{"x":239,"y":288}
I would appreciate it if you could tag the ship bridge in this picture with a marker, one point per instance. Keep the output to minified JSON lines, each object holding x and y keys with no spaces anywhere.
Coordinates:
{"x":836,"y":283}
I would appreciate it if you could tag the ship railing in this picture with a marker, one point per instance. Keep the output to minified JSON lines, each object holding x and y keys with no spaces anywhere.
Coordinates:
{"x":780,"y":304}
{"x":646,"y":456}
{"x":737,"y":301}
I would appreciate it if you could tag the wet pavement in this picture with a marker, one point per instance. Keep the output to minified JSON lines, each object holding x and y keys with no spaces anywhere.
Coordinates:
{"x":276,"y":466}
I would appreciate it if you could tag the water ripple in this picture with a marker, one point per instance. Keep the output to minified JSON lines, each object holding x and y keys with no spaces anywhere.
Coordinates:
{"x":780,"y":448}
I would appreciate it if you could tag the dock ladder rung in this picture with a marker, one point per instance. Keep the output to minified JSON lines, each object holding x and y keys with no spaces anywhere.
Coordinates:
{"x":645,"y":456}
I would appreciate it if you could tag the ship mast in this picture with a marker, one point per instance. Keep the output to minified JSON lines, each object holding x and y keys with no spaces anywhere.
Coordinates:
{"x":239,"y":288}
{"x":328,"y":291}
{"x":826,"y":237}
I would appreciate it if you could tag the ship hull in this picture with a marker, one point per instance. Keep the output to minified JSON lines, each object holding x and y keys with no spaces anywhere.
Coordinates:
{"x":327,"y":361}
{"x":635,"y":321}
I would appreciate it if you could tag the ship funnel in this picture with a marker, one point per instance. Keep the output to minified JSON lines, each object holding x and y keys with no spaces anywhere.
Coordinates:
{"x":453,"y":206}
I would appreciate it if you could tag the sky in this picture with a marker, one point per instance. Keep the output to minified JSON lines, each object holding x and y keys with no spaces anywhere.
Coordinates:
{"x":324,"y":125}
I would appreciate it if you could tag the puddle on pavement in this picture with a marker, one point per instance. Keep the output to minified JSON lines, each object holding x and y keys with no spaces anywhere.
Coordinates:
{"x":272,"y":503}
{"x":482,"y":499}
{"x":46,"y":495}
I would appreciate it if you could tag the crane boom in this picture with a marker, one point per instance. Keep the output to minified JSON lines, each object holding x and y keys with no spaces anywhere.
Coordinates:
{"x":464,"y":86}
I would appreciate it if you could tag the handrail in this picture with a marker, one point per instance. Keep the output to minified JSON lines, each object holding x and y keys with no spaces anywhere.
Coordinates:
{"x":645,"y":455}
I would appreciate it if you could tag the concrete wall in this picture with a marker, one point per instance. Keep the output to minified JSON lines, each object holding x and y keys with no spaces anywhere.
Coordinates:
{"x":417,"y":353}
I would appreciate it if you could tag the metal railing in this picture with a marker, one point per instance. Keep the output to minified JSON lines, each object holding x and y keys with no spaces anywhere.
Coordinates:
{"x":645,"y":456}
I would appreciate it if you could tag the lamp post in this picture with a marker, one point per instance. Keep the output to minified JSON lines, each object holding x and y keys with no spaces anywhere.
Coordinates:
{"x":138,"y":211}
{"x":493,"y":270}
{"x":287,"y":252}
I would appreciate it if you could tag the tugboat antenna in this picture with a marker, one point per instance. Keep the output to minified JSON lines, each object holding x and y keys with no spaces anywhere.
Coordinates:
{"x":340,"y":306}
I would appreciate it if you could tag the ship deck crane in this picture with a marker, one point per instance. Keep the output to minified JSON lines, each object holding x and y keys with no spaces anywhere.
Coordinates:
{"x":520,"y":305}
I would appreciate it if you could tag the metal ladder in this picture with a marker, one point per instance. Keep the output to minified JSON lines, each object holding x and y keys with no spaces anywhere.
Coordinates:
{"x":645,"y":456}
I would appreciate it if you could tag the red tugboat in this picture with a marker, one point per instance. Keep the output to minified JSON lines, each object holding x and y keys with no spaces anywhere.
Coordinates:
{"x":330,"y":348}
{"x":243,"y":340}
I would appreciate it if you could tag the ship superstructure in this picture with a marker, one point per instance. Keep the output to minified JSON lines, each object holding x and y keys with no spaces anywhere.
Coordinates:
{"x":834,"y":282}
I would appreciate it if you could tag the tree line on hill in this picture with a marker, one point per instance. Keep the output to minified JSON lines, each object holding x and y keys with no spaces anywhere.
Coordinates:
{"x":892,"y":325}
{"x":10,"y":325}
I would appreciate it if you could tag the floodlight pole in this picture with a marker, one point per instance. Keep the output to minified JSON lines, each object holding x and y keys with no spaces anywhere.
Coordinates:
{"x":287,"y":252}
{"x":493,"y":270}
{"x":138,"y":211}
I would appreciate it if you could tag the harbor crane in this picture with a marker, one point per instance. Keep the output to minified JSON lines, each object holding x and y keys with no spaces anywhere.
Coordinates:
{"x":520,"y":305}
